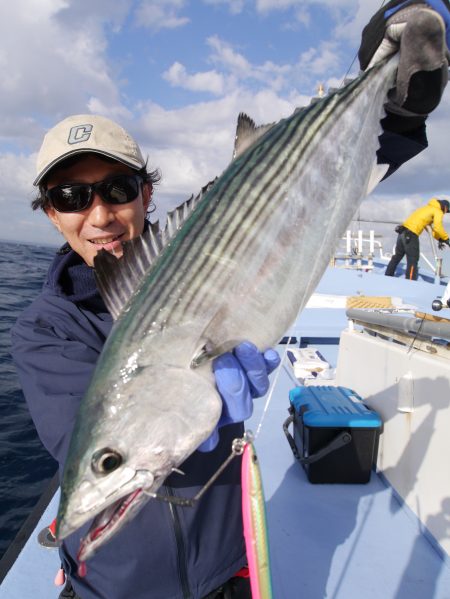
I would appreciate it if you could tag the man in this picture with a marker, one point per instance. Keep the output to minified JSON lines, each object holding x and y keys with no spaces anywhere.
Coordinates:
{"x":95,"y":189}
{"x":408,"y":236}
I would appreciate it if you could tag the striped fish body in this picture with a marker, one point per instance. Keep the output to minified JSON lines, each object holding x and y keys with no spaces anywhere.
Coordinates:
{"x":255,"y":525}
{"x":252,"y":252}
{"x":240,"y":266}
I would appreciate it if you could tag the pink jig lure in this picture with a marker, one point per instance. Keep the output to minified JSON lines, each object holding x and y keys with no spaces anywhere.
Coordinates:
{"x":255,"y":525}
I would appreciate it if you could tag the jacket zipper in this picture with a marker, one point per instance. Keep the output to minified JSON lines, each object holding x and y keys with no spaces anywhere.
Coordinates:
{"x":181,"y":550}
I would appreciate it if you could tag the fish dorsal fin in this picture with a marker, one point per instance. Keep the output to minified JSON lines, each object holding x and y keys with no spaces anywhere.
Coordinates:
{"x":247,"y":133}
{"x":118,"y":278}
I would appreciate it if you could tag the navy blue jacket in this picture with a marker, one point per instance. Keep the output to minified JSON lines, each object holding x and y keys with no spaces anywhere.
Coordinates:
{"x":165,"y":552}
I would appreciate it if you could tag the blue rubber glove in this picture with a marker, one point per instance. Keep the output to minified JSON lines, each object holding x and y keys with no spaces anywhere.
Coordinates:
{"x":240,"y":377}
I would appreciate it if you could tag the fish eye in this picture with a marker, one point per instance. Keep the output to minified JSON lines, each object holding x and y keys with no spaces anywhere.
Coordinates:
{"x":105,"y":461}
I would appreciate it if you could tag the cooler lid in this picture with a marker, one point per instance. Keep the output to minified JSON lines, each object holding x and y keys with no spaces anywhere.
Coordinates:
{"x":325,"y":406}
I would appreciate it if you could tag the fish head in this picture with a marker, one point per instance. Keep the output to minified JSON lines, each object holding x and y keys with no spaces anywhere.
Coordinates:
{"x":121,"y":455}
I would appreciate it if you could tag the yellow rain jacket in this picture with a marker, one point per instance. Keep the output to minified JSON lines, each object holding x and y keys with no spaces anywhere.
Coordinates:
{"x":431,"y":214}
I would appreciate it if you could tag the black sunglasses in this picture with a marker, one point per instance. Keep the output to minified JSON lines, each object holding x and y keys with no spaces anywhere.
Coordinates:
{"x":76,"y":197}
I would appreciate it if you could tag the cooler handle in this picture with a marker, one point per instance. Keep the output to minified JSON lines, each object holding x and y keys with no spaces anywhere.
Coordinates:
{"x":343,"y":438}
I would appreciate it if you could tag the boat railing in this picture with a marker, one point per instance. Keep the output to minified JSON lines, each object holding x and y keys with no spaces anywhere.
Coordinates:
{"x":437,"y":268}
{"x":359,"y":249}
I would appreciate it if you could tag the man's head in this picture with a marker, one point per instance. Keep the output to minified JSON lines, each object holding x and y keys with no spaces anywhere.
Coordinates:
{"x":93,"y":184}
{"x":445,"y":206}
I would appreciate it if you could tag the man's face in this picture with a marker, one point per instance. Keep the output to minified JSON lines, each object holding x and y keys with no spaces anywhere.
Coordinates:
{"x":101,"y":225}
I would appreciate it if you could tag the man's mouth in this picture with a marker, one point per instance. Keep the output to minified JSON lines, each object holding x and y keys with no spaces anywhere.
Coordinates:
{"x":108,"y":243}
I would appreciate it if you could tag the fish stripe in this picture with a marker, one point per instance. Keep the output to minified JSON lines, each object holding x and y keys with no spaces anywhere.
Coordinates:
{"x":231,"y":215}
{"x":226,"y":231}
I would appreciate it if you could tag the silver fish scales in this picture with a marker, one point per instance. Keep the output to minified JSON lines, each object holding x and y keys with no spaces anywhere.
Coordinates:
{"x":237,"y":263}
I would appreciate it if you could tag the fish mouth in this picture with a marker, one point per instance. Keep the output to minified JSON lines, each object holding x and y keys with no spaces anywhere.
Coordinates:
{"x":109,"y":520}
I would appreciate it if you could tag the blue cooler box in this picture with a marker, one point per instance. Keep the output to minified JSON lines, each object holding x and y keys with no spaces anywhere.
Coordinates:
{"x":335,"y":434}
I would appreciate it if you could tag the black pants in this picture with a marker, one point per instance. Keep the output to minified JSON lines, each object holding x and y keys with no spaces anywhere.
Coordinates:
{"x":68,"y":592}
{"x":407,"y":243}
{"x":235,"y":588}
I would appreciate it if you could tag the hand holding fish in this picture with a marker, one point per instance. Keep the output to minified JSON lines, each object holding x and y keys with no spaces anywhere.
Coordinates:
{"x":240,"y":376}
{"x":420,"y":31}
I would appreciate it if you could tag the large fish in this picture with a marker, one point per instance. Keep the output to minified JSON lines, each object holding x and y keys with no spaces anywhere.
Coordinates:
{"x":237,"y":264}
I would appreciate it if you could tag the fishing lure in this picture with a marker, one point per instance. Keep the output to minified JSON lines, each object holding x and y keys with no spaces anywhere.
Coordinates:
{"x":255,"y":522}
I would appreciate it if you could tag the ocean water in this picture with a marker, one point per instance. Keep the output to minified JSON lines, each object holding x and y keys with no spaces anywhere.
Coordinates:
{"x":25,"y":466}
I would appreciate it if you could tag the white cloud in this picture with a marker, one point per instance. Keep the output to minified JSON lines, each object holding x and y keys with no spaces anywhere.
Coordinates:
{"x":351,"y":27}
{"x":350,"y":16}
{"x":268,"y":73}
{"x":160,"y":14}
{"x":390,"y":208}
{"x":77,"y":13}
{"x":235,"y":6}
{"x":209,"y":81}
{"x":427,"y":173}
{"x":103,"y":107}
{"x":225,"y":55}
{"x":236,"y":71}
{"x":48,"y":68}
{"x":193,"y":144}
{"x":273,"y":5}
{"x":299,"y":9}
{"x":321,"y":60}
{"x":268,"y":5}
{"x":16,"y":194}
{"x":15,"y":171}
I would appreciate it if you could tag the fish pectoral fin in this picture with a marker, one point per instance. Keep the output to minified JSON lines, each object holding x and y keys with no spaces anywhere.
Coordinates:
{"x":209,"y":351}
{"x":247,"y":133}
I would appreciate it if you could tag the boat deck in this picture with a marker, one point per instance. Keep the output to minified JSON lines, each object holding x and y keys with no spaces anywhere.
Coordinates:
{"x":340,"y":541}
{"x":326,"y":541}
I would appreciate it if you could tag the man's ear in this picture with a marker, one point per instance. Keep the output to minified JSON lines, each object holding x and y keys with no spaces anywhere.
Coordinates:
{"x":53,"y":216}
{"x":147,"y":192}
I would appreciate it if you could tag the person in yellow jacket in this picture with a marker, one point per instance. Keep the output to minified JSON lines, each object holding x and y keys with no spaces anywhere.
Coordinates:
{"x":408,"y":236}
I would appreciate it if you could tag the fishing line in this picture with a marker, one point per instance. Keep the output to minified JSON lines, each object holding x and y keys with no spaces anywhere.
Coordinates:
{"x":272,"y":387}
{"x":356,"y":54}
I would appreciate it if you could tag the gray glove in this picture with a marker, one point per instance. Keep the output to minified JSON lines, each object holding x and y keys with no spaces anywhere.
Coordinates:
{"x":420,"y":31}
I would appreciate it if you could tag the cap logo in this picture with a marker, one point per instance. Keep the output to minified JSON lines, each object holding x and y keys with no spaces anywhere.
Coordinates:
{"x":79,"y":133}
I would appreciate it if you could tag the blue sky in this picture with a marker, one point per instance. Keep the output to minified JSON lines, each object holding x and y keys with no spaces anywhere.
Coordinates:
{"x":176,"y":74}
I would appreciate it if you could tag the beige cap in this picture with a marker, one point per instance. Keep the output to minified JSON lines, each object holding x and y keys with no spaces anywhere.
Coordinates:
{"x":87,"y":133}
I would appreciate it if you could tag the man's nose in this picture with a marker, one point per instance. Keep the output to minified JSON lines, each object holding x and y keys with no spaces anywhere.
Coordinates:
{"x":100,"y":212}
